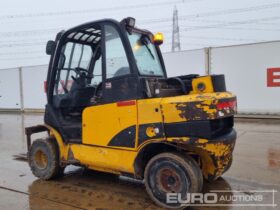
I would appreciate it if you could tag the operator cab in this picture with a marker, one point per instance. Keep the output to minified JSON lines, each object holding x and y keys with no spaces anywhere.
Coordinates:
{"x":98,"y":63}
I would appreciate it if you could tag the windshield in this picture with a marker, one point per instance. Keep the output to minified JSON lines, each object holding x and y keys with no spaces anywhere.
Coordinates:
{"x":145,"y":54}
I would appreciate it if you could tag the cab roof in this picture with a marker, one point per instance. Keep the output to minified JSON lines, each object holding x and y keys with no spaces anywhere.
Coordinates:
{"x":90,"y":32}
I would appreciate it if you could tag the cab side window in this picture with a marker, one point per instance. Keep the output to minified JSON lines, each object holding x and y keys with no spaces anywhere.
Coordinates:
{"x":81,"y":56}
{"x":73,"y":56}
{"x":116,"y":60}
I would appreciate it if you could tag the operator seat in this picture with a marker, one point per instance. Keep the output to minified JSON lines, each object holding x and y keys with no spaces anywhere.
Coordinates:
{"x":80,"y":93}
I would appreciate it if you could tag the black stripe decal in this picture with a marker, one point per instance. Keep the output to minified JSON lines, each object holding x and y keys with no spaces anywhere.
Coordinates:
{"x":125,"y":138}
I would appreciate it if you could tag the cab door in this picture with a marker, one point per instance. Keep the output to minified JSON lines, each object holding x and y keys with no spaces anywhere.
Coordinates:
{"x":113,"y":121}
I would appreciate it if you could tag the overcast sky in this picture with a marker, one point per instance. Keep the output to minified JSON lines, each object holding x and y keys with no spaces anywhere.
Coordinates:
{"x":26,"y":25}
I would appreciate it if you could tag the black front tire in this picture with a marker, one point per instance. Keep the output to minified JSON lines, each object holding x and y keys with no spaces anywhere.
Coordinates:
{"x":172,"y":173}
{"x":43,"y":158}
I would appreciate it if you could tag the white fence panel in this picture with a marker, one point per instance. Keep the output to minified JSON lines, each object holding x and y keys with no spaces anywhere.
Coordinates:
{"x":9,"y":89}
{"x":245,"y":68}
{"x":185,"y":62}
{"x":33,"y":78}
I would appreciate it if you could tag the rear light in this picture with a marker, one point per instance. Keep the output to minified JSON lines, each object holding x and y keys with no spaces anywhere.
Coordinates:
{"x":227,"y":105}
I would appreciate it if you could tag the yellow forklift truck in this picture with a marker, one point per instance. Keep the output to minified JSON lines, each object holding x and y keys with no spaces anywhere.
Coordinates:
{"x":112,"y":108}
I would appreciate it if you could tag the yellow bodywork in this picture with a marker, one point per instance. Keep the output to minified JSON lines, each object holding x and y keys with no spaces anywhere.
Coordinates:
{"x":215,"y":156}
{"x":105,"y":159}
{"x":146,"y":111}
{"x":113,"y":135}
{"x":98,"y":158}
{"x":206,"y":80}
{"x":171,"y":107}
{"x":100,"y":124}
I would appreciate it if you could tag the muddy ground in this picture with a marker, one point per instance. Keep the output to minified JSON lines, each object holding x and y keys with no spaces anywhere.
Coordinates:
{"x":256,"y":166}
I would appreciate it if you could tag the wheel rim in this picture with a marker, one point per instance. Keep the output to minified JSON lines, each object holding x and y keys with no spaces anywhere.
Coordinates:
{"x":169,"y":180}
{"x":167,"y":176}
{"x":41,"y":159}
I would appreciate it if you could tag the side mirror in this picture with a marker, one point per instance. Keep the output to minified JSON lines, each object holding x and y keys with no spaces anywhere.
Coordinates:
{"x":50,"y":47}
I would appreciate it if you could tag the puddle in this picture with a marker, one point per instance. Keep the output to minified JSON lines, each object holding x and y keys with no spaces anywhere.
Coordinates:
{"x":86,"y":189}
{"x":255,"y":167}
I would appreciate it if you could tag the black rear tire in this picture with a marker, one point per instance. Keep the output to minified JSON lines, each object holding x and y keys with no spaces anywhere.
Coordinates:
{"x":172,"y":173}
{"x":43,"y":158}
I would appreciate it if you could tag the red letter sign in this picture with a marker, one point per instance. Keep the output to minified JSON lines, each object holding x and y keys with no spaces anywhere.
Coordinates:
{"x":273,"y":77}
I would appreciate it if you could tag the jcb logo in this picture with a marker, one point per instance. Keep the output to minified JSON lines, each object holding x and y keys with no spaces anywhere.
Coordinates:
{"x":273,"y":77}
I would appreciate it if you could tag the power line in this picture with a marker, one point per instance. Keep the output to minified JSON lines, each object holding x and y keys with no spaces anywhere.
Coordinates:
{"x":29,"y":32}
{"x":223,"y":38}
{"x":184,"y":43}
{"x":21,"y":53}
{"x":71,"y":12}
{"x":22,"y":44}
{"x":251,"y":29}
{"x":20,"y":40}
{"x":24,"y":58}
{"x":224,"y":26}
{"x":225,"y":22}
{"x":34,"y":32}
{"x":216,"y":13}
{"x":230,"y":24}
{"x":156,"y":4}
{"x":46,"y":32}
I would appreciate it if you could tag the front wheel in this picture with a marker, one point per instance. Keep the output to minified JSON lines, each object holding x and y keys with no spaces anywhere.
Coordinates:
{"x":172,"y":173}
{"x":43,"y":158}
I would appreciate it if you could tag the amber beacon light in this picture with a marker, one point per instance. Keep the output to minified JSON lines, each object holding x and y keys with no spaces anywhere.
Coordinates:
{"x":158,"y":38}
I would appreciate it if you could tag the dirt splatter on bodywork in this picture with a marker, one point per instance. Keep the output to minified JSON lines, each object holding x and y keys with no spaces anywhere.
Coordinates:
{"x":215,"y":155}
{"x":208,"y":109}
{"x":198,"y":107}
{"x":215,"y":152}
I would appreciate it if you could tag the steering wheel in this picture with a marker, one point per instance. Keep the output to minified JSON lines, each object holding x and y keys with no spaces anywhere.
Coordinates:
{"x":82,"y":73}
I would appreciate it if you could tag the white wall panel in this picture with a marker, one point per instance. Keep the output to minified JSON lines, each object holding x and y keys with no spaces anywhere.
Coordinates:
{"x":9,"y":89}
{"x":245,"y":68}
{"x":185,"y":62}
{"x":33,"y":78}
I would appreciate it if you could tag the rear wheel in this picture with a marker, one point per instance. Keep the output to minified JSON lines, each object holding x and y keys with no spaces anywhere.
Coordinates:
{"x":43,"y":158}
{"x":172,"y":173}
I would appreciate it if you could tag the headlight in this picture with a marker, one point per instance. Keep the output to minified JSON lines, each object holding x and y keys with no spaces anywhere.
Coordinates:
{"x":130,"y":21}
